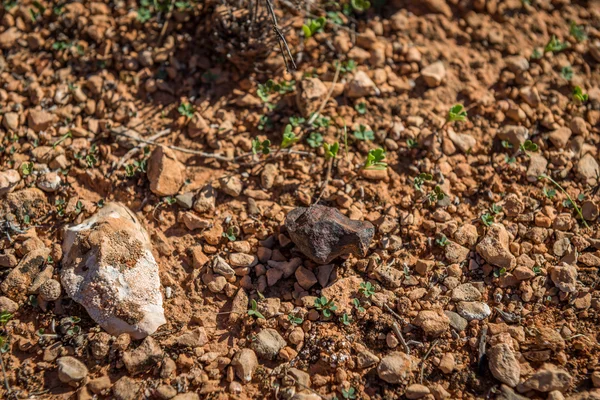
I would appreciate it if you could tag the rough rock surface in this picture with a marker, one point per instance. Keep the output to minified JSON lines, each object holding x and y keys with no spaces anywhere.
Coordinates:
{"x":165,"y":173}
{"x":323,"y":233}
{"x":395,"y":368}
{"x":494,"y":248}
{"x":503,"y":364}
{"x":108,"y":267}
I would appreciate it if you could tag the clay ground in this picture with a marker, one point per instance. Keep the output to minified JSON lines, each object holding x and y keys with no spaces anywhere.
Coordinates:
{"x":486,"y":249}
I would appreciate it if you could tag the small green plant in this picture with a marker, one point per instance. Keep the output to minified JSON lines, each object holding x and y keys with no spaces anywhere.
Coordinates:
{"x":61,"y":46}
{"x":320,"y":122}
{"x":549,"y":192}
{"x":357,"y":305}
{"x":528,"y":146}
{"x":326,"y":307}
{"x":183,"y":5}
{"x":334,"y":17}
{"x":59,"y":204}
{"x":78,"y":207}
{"x":363,"y":134}
{"x":506,"y":144}
{"x":253,"y":311}
{"x":367,"y":289}
{"x":496,"y":209}
{"x":360,"y":5}
{"x":143,"y":13}
{"x":361,"y":108}
{"x":230,"y":234}
{"x":261,"y":147}
{"x":566,"y":72}
{"x":90,"y":158}
{"x":420,"y":180}
{"x":297,"y":121}
{"x":537,"y":270}
{"x":169,"y":200}
{"x":346,"y":319}
{"x":136,"y":166}
{"x":498,"y":272}
{"x":264,"y":122}
{"x":555,"y":45}
{"x":456,"y":113}
{"x":264,"y":91}
{"x":346,"y":66}
{"x":26,"y":168}
{"x":536,"y":54}
{"x":289,"y":138}
{"x":349,"y":393}
{"x":100,"y":203}
{"x":62,"y":139}
{"x":412,"y":143}
{"x":294,"y":320}
{"x":331,"y":151}
{"x":375,"y":160}
{"x":442,"y":241}
{"x":5,"y":316}
{"x":488,"y":219}
{"x":577,"y":31}
{"x":571,"y":201}
{"x":186,"y":109}
{"x":315,"y":139}
{"x":579,"y":96}
{"x":313,"y":26}
{"x":437,"y":194}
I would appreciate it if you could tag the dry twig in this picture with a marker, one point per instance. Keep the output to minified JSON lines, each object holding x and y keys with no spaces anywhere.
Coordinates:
{"x":425,"y":358}
{"x":283,"y":45}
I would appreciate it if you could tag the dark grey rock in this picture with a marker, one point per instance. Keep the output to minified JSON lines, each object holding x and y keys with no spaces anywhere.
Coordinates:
{"x":323,"y":233}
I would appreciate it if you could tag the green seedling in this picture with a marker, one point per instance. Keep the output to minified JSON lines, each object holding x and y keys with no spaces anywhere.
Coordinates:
{"x":577,"y":31}
{"x":61,"y":45}
{"x":346,"y":319}
{"x":442,"y":241}
{"x":346,"y":66}
{"x":334,"y":17}
{"x":488,"y":219}
{"x":528,"y":146}
{"x":169,"y":200}
{"x":537,"y":270}
{"x":375,"y":159}
{"x":263,"y":147}
{"x":297,"y":121}
{"x":357,"y":305}
{"x":498,"y":272}
{"x":437,"y":194}
{"x":264,"y":122}
{"x":294,"y":320}
{"x":100,"y":203}
{"x":26,"y":168}
{"x":320,"y":122}
{"x":566,"y":72}
{"x":187,"y":110}
{"x":349,"y":394}
{"x":412,"y":143}
{"x":253,"y":311}
{"x":315,"y":139}
{"x":420,"y":180}
{"x":536,"y":54}
{"x":361,"y":108}
{"x":367,"y":289}
{"x":456,"y":113}
{"x":331,"y":151}
{"x":326,"y":307}
{"x":230,"y":234}
{"x":360,"y":5}
{"x":62,"y":139}
{"x":555,"y":45}
{"x":78,"y":207}
{"x":549,"y":193}
{"x":183,"y":5}
{"x":575,"y":206}
{"x":579,"y":96}
{"x":5,"y":316}
{"x":506,"y":144}
{"x":313,"y":26}
{"x":496,"y":209}
{"x":363,"y":134}
{"x":289,"y":138}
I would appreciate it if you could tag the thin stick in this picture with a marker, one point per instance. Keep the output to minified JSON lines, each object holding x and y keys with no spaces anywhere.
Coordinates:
{"x":398,"y":333}
{"x":333,"y":83}
{"x":137,"y":148}
{"x":281,"y":39}
{"x":8,"y":390}
{"x":166,"y":24}
{"x":425,"y":358}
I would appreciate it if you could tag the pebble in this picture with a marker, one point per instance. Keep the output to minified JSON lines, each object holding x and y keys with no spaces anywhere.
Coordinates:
{"x":245,"y":363}
{"x":395,"y":368}
{"x":564,"y":277}
{"x":473,"y":310}
{"x":50,"y":290}
{"x":503,"y":364}
{"x":433,"y":322}
{"x":144,"y":358}
{"x":165,"y":173}
{"x":221,"y":267}
{"x":306,"y":278}
{"x":549,"y":378}
{"x":126,"y":388}
{"x":49,"y":182}
{"x":434,"y":74}
{"x":465,"y":292}
{"x":494,"y":248}
{"x":71,"y":370}
{"x":360,"y":86}
{"x":231,"y":185}
{"x":8,"y":180}
{"x":416,"y":391}
{"x":310,"y":92}
{"x":242,"y":260}
{"x":588,"y":169}
{"x":267,"y":344}
{"x":21,"y":277}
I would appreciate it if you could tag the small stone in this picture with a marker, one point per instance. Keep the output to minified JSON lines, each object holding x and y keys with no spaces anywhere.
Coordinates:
{"x":221,"y":267}
{"x":205,"y":200}
{"x":560,"y":137}
{"x":366,"y":359}
{"x":465,"y":292}
{"x":549,"y":378}
{"x":564,"y":277}
{"x":517,"y":64}
{"x":40,"y":120}
{"x":8,"y":180}
{"x":306,"y":278}
{"x":71,"y":370}
{"x":360,"y":86}
{"x":9,"y":38}
{"x":245,"y":363}
{"x":126,"y":388}
{"x":323,"y":274}
{"x":323,"y":233}
{"x":49,"y":182}
{"x":588,"y":169}
{"x":7,"y":305}
{"x":447,"y":363}
{"x":193,"y":222}
{"x":537,"y":167}
{"x":99,"y":385}
{"x":165,"y":173}
{"x":50,"y":290}
{"x":20,"y":278}
{"x":434,"y":74}
{"x":395,"y":368}
{"x":165,"y":392}
{"x":309,"y":94}
{"x":416,"y":391}
{"x":267,"y":344}
{"x":503,"y":364}
{"x":433,"y":322}
{"x":268,"y":175}
{"x":144,"y":358}
{"x":439,"y":7}
{"x":455,"y":253}
{"x":462,"y":141}
{"x":494,"y":248}
{"x":473,"y":310}
{"x":242,"y":260}
{"x":516,"y":135}
{"x":185,"y":200}
{"x":231,"y":185}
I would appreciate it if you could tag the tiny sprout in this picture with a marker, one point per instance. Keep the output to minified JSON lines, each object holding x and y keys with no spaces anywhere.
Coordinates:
{"x":253,"y":311}
{"x":528,"y":145}
{"x":437,"y":194}
{"x":78,"y":207}
{"x":350,"y":393}
{"x":346,"y":66}
{"x":5,"y":316}
{"x":49,"y":260}
{"x":537,"y":270}
{"x":457,"y":113}
{"x":579,"y":96}
{"x":442,"y":241}
{"x":506,"y":144}
{"x":294,"y":320}
{"x":186,"y":109}
{"x":375,"y":160}
{"x":357,"y":305}
{"x":315,"y":139}
{"x":536,"y":54}
{"x":326,"y":307}
{"x":100,"y":203}
{"x":361,"y":108}
{"x":331,"y":150}
{"x":555,"y":45}
{"x":346,"y":319}
{"x":261,"y":147}
{"x":577,"y":31}
{"x":570,"y":199}
{"x":549,"y":193}
{"x":420,"y":179}
{"x":412,"y":143}
{"x":289,"y":138}
{"x":230,"y":234}
{"x":367,"y":289}
{"x":363,"y":134}
{"x":360,"y":5}
{"x":487,"y":219}
{"x":335,"y":17}
{"x":499,"y":272}
{"x":313,"y":26}
{"x":566,"y":72}
{"x":169,"y":200}
{"x":297,"y":121}
{"x":26,"y":168}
